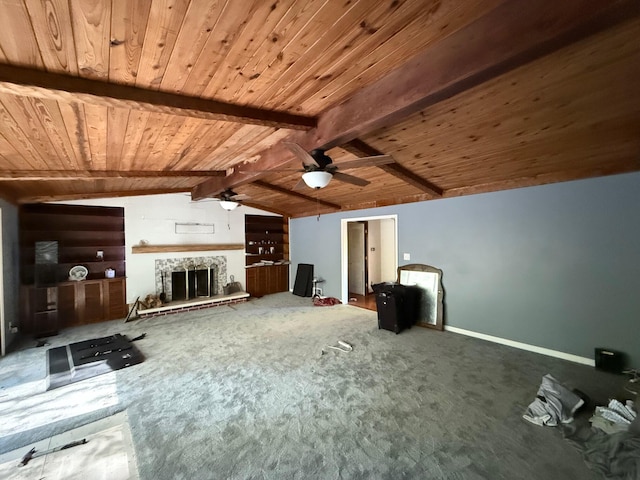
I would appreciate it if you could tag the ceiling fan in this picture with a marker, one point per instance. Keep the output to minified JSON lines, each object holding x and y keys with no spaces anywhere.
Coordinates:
{"x":229,"y":199}
{"x":319,"y":168}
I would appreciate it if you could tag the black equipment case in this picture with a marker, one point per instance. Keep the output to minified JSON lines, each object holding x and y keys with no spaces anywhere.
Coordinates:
{"x":395,"y":305}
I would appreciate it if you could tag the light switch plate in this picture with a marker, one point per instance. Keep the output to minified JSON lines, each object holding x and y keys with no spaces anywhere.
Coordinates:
{"x":407,"y":256}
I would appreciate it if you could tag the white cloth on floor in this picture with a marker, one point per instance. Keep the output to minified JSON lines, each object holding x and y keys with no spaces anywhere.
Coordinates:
{"x":615,"y":417}
{"x":554,"y":404}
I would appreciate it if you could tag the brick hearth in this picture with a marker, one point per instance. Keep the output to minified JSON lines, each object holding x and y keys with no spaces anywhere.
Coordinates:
{"x":194,"y":304}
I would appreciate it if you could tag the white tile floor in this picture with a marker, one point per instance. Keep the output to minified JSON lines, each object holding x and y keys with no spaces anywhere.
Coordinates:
{"x":108,"y":454}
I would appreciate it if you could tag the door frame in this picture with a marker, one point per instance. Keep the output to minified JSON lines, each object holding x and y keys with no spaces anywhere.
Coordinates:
{"x":365,"y":258}
{"x":344,"y":248}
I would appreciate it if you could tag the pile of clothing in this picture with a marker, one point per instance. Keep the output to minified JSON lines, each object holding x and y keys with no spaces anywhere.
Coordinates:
{"x":554,"y":404}
{"x":611,"y":446}
{"x":615,"y":417}
{"x":610,"y":443}
{"x":325,"y":301}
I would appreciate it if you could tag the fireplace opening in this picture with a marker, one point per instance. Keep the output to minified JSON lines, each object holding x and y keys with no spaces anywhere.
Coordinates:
{"x":187,"y":284}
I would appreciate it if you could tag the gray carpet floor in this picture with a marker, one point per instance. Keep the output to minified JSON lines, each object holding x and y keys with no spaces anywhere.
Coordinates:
{"x":243,"y":392}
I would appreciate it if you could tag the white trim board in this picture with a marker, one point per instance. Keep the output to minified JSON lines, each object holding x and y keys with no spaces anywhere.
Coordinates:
{"x":523,"y":346}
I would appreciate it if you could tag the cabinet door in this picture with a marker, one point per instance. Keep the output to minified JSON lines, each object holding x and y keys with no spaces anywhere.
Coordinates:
{"x":115,"y":299}
{"x":93,"y":309}
{"x":39,"y":310}
{"x":251,"y":281}
{"x":268,"y":279}
{"x":277,"y":279}
{"x":258,"y":281}
{"x":67,"y":304}
{"x":282,"y":278}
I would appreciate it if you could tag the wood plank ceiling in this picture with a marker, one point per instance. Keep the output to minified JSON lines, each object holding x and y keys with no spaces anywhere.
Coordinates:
{"x":103,"y":98}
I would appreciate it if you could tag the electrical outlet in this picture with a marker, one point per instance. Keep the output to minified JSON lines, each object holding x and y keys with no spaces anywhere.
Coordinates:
{"x":407,"y":256}
{"x":13,"y":328}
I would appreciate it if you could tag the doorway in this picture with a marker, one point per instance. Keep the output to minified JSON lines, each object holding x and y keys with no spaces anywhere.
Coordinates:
{"x":357,"y":275}
{"x":369,"y":256}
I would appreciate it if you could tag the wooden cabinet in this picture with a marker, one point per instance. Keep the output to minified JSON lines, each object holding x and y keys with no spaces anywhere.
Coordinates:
{"x":115,"y":301}
{"x":63,"y":236}
{"x":267,"y":254}
{"x":266,"y":239}
{"x":85,"y":235}
{"x":267,"y":279}
{"x":45,"y":310}
{"x":91,"y":301}
{"x":39,"y":308}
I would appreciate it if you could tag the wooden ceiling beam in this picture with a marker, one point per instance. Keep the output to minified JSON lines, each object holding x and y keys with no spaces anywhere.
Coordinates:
{"x":513,"y":34}
{"x":28,"y":82}
{"x":267,"y":208}
{"x":30,"y":175}
{"x":86,"y":196}
{"x":363,"y":149}
{"x":291,"y":193}
{"x":245,"y":172}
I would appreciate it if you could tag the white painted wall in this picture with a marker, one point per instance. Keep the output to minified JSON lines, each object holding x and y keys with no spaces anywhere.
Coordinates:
{"x":375,"y":250}
{"x":382,"y":260}
{"x":153,"y":218}
{"x":388,"y":250}
{"x":355,"y":236}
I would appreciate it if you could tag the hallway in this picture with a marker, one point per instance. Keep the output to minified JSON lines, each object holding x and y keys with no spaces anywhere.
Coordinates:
{"x":363,"y":301}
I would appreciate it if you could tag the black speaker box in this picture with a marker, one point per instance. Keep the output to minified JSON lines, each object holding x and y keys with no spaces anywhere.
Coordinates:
{"x":609,"y":360}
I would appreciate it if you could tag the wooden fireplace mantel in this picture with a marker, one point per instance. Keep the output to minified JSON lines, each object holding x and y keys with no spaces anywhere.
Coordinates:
{"x":195,"y":247}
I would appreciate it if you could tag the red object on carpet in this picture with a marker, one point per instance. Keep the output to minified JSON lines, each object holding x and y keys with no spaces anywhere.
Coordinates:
{"x":325,"y":302}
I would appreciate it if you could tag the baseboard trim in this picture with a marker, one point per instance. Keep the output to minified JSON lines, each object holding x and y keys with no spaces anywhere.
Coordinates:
{"x":523,"y":346}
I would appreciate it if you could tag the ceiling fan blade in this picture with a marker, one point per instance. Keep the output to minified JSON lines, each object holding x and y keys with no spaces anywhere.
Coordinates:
{"x":300,"y":185}
{"x":302,"y":154}
{"x":365,"y":162}
{"x":239,"y":197}
{"x":273,"y":170}
{"x":343,"y":177}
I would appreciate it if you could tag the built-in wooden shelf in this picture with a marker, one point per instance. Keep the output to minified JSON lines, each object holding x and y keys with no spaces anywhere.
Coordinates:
{"x":266,"y":238}
{"x":196,"y":247}
{"x":54,"y":238}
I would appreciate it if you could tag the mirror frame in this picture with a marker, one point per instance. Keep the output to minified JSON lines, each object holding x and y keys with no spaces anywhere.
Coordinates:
{"x":418,"y":267}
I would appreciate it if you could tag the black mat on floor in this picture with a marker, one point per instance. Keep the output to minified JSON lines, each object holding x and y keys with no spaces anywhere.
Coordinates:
{"x":303,"y":285}
{"x":79,"y":361}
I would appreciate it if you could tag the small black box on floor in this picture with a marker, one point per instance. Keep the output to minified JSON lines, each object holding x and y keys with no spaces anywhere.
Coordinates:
{"x":609,"y":360}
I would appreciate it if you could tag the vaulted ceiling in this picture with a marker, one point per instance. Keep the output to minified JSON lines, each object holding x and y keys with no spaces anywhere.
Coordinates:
{"x":103,"y":98}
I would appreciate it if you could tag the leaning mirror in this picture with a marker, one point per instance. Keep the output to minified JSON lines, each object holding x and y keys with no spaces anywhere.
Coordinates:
{"x":429,"y":298}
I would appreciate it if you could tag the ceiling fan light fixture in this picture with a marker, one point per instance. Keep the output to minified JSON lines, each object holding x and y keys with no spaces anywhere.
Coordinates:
{"x":228,"y":205}
{"x":316,"y":179}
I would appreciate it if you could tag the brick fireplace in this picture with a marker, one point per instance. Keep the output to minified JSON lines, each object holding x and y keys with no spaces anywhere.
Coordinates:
{"x":187,"y":278}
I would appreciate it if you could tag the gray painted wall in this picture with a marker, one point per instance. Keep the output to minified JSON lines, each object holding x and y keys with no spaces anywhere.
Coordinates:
{"x":556,"y":266}
{"x":10,"y":266}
